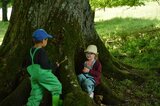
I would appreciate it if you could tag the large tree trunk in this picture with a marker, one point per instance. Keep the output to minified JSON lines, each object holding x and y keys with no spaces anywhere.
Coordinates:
{"x":72,"y":23}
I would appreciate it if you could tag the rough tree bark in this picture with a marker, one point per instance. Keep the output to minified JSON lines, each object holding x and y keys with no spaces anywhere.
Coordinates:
{"x":72,"y":23}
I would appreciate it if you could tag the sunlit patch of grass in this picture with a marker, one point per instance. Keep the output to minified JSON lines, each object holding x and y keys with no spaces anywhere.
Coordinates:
{"x":121,"y":25}
{"x":3,"y":28}
{"x":134,"y":42}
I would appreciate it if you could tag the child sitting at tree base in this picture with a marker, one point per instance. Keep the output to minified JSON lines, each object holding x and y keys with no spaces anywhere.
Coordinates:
{"x":91,"y":73}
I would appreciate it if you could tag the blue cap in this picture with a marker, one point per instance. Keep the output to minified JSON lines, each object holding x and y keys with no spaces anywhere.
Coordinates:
{"x":41,"y":34}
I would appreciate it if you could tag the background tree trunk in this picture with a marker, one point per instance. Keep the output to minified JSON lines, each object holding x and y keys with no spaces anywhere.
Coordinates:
{"x":73,"y":25}
{"x":4,"y":10}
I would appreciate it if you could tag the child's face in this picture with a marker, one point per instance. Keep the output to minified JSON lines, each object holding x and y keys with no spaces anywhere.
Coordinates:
{"x":44,"y":42}
{"x":90,"y":56}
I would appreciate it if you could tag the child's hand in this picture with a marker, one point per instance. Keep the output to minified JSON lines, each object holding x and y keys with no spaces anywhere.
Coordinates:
{"x":85,"y":70}
{"x":57,"y":64}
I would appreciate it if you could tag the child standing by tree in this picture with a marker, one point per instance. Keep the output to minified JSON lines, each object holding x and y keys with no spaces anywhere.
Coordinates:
{"x":40,"y":71}
{"x":91,"y":72}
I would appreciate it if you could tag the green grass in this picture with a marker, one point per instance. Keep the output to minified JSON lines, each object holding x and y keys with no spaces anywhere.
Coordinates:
{"x":3,"y":28}
{"x":132,"y":38}
{"x":135,"y":42}
{"x":121,"y":25}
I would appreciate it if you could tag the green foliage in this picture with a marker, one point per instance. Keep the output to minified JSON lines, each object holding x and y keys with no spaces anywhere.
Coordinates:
{"x":100,"y":3}
{"x":114,"y":3}
{"x":10,"y":2}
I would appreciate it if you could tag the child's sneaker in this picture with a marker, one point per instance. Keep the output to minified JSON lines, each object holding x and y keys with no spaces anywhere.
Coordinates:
{"x":91,"y":95}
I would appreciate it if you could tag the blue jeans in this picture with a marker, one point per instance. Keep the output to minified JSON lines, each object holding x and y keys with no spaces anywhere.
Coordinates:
{"x":87,"y":82}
